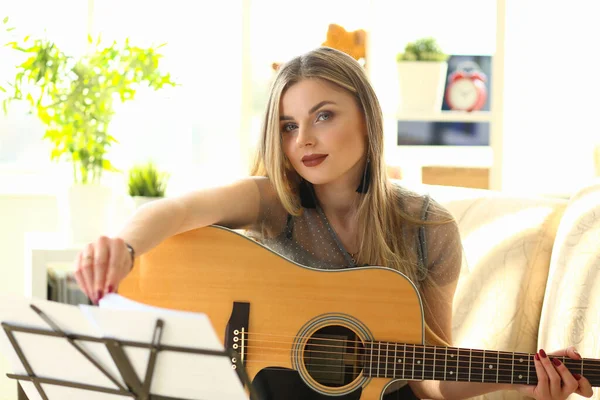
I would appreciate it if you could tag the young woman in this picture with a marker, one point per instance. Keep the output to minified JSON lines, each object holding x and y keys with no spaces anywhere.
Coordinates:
{"x":319,"y":195}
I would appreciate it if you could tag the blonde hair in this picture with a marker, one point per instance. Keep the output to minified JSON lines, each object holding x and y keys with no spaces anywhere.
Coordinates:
{"x":380,"y":219}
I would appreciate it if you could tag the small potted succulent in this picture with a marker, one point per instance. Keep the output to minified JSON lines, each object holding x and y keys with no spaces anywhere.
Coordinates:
{"x":422,"y":69}
{"x":146,"y":183}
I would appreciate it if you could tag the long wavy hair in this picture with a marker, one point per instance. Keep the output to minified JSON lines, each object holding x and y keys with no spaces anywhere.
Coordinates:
{"x":380,"y":219}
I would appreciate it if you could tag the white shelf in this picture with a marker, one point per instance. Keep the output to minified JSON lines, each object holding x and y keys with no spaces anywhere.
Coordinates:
{"x":447,"y":116}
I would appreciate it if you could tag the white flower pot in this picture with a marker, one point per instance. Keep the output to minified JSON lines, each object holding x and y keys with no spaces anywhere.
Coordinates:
{"x":422,"y":86}
{"x":141,"y":200}
{"x":86,"y":212}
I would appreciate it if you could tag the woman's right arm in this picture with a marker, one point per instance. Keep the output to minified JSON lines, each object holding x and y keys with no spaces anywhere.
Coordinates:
{"x":101,"y":265}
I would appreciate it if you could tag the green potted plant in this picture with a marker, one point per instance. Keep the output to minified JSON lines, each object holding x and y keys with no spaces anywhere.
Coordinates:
{"x":74,"y":98}
{"x":422,"y":69}
{"x":146,"y":183}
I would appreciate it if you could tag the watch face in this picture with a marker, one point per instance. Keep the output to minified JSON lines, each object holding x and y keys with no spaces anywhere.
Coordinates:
{"x":463,"y":94}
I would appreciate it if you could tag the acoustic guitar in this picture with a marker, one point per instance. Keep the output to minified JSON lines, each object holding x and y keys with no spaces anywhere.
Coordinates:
{"x":347,"y":333}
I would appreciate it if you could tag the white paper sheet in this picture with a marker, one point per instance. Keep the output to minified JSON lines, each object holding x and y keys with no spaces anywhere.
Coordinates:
{"x":178,"y":375}
{"x":54,"y":357}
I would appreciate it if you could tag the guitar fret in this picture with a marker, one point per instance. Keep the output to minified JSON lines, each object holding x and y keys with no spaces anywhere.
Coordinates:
{"x":411,"y":359}
{"x":483,"y":366}
{"x":477,"y":365}
{"x":528,"y":368}
{"x":428,"y":362}
{"x":371,"y":363}
{"x":470,"y":362}
{"x":378,"y":357}
{"x":491,"y":362}
{"x":457,"y":362}
{"x":446,"y":364}
{"x":433,"y":372}
{"x":451,"y":371}
{"x":404,"y":362}
{"x":387,"y":351}
{"x":497,"y":366}
{"x":423,"y":371}
{"x":418,"y":362}
{"x":463,"y":365}
{"x":520,"y":368}
{"x":395,"y":359}
{"x":512,"y":369}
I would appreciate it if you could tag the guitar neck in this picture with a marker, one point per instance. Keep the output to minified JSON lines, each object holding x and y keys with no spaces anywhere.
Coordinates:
{"x":422,"y":362}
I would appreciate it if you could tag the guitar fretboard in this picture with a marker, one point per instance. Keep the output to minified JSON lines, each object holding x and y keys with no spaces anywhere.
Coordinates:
{"x":421,"y":362}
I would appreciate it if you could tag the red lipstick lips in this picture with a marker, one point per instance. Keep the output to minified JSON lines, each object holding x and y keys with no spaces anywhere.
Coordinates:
{"x":313,"y":160}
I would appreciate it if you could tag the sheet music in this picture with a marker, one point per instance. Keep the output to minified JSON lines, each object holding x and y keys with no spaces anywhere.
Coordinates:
{"x":54,"y":357}
{"x":176,"y":375}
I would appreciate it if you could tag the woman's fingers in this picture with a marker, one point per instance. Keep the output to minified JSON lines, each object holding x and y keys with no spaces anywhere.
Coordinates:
{"x":101,"y":266}
{"x":86,"y":271}
{"x":554,"y":378}
{"x":585,"y":388}
{"x":542,"y":390}
{"x":79,"y":275}
{"x":101,"y":257}
{"x":119,"y":259}
{"x":569,"y":383}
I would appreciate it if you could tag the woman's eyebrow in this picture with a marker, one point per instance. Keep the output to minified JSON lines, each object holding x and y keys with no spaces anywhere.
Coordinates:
{"x":312,"y":110}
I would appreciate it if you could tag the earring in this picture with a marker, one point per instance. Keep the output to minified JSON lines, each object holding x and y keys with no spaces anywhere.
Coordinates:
{"x":307,"y":199}
{"x":363,"y":187}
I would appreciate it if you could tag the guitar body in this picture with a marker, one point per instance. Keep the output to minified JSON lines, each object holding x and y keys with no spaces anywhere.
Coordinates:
{"x":276,"y":313}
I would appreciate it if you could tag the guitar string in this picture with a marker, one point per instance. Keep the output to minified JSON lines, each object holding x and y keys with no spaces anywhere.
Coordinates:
{"x":428,"y":370}
{"x":500,"y":367}
{"x":475,"y":353}
{"x":378,"y":370}
{"x":427,"y":348}
{"x":479,"y":359}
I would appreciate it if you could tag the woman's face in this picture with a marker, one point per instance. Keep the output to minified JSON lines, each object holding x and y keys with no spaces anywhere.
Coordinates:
{"x":323,"y":132}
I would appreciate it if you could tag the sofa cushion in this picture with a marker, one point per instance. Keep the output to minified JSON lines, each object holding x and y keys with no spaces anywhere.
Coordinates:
{"x":507,"y":245}
{"x":571,"y":313}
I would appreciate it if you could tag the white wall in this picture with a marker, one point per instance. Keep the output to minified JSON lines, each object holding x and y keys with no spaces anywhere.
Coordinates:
{"x":551,"y":88}
{"x":19,"y":214}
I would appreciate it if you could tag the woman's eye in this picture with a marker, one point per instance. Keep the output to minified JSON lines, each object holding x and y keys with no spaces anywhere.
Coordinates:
{"x":289,"y":127}
{"x":323,"y":116}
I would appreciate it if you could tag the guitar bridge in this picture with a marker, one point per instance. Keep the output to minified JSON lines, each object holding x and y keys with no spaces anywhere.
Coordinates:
{"x":237,"y":330}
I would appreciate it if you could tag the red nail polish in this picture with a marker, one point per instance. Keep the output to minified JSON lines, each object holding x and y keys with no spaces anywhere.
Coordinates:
{"x":542,"y":353}
{"x":100,"y":294}
{"x":110,"y":289}
{"x":537,"y":357}
{"x":577,"y":376}
{"x":556,"y":362}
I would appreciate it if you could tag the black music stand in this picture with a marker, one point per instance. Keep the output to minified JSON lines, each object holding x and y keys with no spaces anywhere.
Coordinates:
{"x":133,"y":387}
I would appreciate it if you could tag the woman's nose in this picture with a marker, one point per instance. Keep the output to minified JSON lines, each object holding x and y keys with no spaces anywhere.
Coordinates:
{"x":305,"y":137}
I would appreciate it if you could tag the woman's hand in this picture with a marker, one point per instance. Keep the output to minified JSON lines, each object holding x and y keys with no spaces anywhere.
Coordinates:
{"x":555,"y":381}
{"x":101,"y":265}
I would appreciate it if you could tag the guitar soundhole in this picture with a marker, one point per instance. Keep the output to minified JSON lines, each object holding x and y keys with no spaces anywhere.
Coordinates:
{"x":333,"y":356}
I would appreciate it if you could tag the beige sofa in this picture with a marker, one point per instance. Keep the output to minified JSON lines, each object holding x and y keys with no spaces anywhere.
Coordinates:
{"x":531,"y":271}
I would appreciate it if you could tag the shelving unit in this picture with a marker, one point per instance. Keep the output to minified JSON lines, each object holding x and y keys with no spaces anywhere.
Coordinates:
{"x":447,"y":116}
{"x":386,"y":39}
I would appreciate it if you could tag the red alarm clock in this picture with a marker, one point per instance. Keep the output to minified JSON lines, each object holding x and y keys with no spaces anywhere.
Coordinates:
{"x":466,"y":89}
